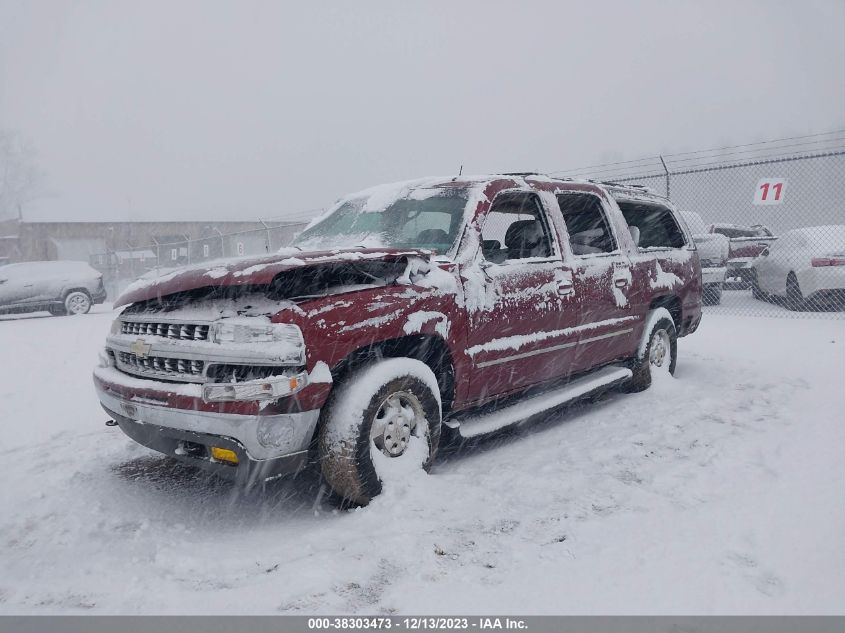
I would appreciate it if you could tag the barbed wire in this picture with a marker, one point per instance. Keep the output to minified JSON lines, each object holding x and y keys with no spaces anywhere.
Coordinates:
{"x":765,"y":148}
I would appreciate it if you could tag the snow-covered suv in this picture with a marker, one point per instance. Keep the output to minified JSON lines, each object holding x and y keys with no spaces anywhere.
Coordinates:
{"x":443,"y":306}
{"x":60,"y":287}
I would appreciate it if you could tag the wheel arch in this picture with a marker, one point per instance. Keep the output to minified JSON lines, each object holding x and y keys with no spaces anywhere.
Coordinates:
{"x":673,"y":304}
{"x":427,"y":348}
{"x":66,"y":292}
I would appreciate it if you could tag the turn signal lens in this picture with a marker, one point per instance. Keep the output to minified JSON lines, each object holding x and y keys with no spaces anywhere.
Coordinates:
{"x":224,"y":455}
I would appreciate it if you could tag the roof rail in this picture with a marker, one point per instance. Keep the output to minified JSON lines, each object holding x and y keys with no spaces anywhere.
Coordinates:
{"x":628,"y":185}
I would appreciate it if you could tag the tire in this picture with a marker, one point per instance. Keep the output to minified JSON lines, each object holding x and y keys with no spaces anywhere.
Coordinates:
{"x":794,"y":298}
{"x":662,"y":333}
{"x":77,"y":302}
{"x":367,"y":422}
{"x":712,"y":295}
{"x":756,"y":291}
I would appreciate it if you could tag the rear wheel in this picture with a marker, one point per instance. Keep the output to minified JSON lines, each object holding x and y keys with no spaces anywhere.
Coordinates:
{"x":794,"y":297}
{"x":659,"y":357}
{"x":77,"y":302}
{"x":382,"y":423}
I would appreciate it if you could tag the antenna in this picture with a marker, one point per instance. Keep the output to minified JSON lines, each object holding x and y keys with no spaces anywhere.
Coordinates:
{"x":460,"y":171}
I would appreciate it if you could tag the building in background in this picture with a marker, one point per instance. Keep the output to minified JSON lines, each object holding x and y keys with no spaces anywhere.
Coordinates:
{"x":123,"y":251}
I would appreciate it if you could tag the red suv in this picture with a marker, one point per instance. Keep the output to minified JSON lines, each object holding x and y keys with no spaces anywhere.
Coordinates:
{"x":443,"y":306}
{"x":746,"y":243}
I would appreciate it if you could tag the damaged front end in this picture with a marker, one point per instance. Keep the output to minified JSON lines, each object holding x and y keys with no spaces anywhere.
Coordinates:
{"x":224,"y":366}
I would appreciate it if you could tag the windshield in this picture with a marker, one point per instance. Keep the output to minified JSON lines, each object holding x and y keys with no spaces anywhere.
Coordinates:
{"x":426,"y":217}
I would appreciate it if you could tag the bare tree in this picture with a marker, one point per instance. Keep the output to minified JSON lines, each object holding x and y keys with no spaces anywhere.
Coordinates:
{"x":21,"y":179}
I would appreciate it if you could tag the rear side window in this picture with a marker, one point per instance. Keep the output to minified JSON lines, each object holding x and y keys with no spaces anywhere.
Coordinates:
{"x":586,"y":222}
{"x":656,"y":224}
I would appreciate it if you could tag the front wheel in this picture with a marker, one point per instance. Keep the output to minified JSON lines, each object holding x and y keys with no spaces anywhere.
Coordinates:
{"x":382,"y":423}
{"x":794,"y":296}
{"x":756,"y":291}
{"x":659,"y":355}
{"x":712,"y":295}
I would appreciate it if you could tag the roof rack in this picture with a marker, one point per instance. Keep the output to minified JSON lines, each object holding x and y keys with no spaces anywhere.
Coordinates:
{"x":606,"y":183}
{"x":627,"y":185}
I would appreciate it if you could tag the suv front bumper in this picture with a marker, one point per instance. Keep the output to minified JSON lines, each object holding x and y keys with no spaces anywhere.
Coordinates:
{"x":266,"y":445}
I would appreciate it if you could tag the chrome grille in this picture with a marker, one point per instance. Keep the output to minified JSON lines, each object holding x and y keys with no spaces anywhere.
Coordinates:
{"x":175,"y":368}
{"x":178,"y":331}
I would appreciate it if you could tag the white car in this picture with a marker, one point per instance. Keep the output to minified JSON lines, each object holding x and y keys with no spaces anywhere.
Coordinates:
{"x":61,"y":287}
{"x":805,"y":267}
{"x":713,"y":250}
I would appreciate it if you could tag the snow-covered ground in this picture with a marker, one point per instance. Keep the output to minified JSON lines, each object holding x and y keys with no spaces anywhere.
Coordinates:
{"x":719,"y":491}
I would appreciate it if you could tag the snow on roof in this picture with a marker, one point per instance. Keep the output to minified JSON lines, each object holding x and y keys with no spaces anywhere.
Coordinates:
{"x":830,"y":237}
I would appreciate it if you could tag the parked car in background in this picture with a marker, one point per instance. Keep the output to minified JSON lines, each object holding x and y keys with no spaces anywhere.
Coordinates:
{"x":60,"y":287}
{"x":713,"y":251}
{"x":443,"y":306}
{"x":746,"y":243}
{"x":805,"y":267}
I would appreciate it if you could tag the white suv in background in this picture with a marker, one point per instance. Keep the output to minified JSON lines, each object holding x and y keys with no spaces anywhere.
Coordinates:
{"x":60,"y":287}
{"x":713,"y":251}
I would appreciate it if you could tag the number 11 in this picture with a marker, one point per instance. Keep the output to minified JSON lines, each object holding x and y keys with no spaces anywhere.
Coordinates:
{"x":777,"y":187}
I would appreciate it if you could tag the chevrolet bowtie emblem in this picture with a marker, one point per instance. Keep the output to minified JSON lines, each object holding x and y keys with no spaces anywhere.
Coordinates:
{"x":140,"y":348}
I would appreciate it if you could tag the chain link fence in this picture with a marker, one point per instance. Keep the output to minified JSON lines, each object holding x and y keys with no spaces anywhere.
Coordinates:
{"x":779,"y":207}
{"x":771,"y":214}
{"x":121,"y":266}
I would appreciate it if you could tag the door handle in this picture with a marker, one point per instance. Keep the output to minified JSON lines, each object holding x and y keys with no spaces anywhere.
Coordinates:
{"x":621,"y":282}
{"x":565,"y":288}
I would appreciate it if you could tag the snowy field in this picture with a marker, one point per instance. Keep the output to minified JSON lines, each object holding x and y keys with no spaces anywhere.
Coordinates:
{"x":719,"y":491}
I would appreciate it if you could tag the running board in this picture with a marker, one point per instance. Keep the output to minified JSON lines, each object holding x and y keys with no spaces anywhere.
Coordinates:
{"x":597,"y":381}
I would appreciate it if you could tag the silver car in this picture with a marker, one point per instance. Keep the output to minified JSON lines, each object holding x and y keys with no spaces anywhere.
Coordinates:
{"x":61,"y":287}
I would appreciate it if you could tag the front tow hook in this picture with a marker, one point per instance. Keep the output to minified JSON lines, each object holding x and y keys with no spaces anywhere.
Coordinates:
{"x":111,"y":423}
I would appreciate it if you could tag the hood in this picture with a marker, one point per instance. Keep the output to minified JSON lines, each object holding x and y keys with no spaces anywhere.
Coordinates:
{"x":252,"y":271}
{"x":712,"y":245}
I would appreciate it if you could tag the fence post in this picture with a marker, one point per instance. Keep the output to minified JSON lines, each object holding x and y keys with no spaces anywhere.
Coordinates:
{"x":222,"y":241}
{"x":267,"y":235}
{"x":158,"y":253}
{"x":666,"y":170}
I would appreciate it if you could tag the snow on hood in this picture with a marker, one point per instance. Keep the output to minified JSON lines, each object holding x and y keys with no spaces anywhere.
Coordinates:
{"x":249,"y":271}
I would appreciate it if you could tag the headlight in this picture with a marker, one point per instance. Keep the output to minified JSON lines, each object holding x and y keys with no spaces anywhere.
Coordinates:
{"x":116,"y":326}
{"x":265,"y":389}
{"x":228,"y":332}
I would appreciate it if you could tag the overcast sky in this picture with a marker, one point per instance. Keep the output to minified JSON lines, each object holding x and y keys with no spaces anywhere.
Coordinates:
{"x":222,"y":110}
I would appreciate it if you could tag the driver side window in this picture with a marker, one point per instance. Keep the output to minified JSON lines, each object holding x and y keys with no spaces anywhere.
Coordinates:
{"x":515,"y":228}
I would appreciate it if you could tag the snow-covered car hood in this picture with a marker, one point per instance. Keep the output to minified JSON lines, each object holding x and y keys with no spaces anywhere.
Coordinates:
{"x":252,"y":271}
{"x":712,"y":246}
